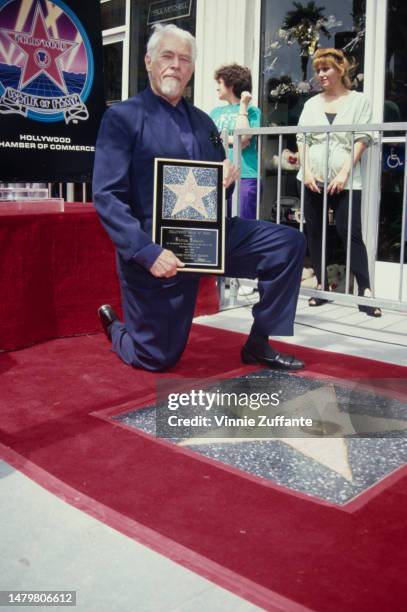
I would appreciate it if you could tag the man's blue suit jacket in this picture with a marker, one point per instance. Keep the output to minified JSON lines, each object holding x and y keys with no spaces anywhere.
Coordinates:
{"x":130,"y":137}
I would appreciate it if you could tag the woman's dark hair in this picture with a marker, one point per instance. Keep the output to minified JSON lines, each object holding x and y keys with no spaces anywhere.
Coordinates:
{"x":235,"y":76}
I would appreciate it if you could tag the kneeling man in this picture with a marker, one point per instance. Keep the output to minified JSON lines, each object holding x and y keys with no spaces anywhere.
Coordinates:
{"x":158,"y":299}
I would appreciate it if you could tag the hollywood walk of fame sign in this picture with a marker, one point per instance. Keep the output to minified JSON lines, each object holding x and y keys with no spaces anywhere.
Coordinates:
{"x":51,"y":89}
{"x":189,"y":213}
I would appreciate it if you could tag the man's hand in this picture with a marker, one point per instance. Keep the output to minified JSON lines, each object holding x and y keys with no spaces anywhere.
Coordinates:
{"x":230,"y":173}
{"x":338,"y":183}
{"x":166,"y":265}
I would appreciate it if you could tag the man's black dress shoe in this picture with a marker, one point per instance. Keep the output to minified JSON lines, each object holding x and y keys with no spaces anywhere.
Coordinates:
{"x":277,"y":361}
{"x":107,"y":316}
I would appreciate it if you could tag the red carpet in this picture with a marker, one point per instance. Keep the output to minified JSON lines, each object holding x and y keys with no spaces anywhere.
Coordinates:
{"x":53,"y":281}
{"x":279,"y":549}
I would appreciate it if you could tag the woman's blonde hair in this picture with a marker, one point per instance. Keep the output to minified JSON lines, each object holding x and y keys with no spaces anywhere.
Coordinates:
{"x":335,"y":58}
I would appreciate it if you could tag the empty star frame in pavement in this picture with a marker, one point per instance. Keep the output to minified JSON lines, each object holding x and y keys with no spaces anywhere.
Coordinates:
{"x":189,"y":212}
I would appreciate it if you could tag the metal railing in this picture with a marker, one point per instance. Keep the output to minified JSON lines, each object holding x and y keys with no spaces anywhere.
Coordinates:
{"x":377,"y":132}
{"x":69,"y":191}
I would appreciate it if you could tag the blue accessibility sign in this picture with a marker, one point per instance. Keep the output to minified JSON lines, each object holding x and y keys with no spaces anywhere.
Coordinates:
{"x":394,"y":157}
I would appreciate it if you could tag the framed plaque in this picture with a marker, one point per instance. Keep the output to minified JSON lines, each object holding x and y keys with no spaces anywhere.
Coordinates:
{"x":189,"y":213}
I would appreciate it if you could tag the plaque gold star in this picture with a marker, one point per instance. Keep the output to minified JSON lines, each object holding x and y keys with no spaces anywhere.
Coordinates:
{"x":190,"y":194}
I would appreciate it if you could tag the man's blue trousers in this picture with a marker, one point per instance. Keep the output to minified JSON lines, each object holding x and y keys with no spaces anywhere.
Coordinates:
{"x":158,"y":312}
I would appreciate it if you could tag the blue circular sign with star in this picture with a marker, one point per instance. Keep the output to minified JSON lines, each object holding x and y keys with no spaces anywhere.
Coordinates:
{"x":46,"y":61}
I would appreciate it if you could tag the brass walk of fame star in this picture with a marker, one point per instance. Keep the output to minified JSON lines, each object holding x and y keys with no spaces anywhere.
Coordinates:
{"x":42,"y":53}
{"x":329,"y":451}
{"x":190,"y":194}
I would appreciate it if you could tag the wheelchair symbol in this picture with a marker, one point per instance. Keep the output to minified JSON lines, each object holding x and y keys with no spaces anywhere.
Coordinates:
{"x":393,"y":160}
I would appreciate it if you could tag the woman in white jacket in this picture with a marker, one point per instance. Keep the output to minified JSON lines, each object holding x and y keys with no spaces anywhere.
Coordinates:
{"x":336,"y":104}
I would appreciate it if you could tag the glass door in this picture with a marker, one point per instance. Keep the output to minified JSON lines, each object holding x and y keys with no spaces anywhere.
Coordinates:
{"x":391,"y":240}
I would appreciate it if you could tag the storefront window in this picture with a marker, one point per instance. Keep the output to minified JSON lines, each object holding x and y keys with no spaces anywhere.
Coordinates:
{"x":113,"y":13}
{"x":112,"y":69}
{"x":292,"y":31}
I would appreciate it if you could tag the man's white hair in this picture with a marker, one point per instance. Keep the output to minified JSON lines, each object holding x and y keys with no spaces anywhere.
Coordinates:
{"x":161,"y":30}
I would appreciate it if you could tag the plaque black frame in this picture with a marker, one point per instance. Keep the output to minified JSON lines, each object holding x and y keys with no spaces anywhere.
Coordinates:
{"x":209,"y":233}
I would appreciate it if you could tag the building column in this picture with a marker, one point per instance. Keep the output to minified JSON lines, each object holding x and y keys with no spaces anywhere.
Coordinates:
{"x":226,"y":32}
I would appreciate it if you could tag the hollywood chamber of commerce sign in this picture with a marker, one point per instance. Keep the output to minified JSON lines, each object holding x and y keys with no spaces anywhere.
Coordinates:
{"x":50,"y":87}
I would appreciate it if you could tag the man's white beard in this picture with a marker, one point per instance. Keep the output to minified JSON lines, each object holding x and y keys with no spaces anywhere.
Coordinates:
{"x":170,"y":87}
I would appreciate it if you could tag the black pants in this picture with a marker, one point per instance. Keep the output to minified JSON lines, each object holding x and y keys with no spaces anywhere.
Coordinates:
{"x":339,"y":203}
